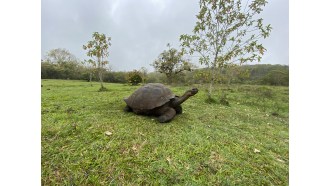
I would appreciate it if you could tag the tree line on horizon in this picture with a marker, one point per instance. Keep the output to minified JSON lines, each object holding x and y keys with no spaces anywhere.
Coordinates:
{"x":64,"y":65}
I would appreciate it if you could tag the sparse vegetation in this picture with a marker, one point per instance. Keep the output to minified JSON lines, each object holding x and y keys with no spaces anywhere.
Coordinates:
{"x":171,"y":63}
{"x":97,"y":49}
{"x":134,"y":77}
{"x":87,"y":138}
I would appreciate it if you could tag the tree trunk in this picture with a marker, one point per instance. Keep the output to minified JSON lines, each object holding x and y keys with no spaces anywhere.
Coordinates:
{"x":209,"y":94}
{"x":99,"y":61}
{"x":169,"y":79}
{"x":230,"y":75}
{"x":210,"y":90}
{"x":101,"y":78}
{"x":90,"y":78}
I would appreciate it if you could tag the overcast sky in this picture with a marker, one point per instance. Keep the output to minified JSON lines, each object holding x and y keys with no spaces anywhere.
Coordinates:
{"x":141,"y":29}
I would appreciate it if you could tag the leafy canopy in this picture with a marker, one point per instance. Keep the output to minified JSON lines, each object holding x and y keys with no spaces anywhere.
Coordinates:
{"x":60,"y":56}
{"x":227,"y":32}
{"x":134,"y":77}
{"x":171,"y":62}
{"x":98,"y":47}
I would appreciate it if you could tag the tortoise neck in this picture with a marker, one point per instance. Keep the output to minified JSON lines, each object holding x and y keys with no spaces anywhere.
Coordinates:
{"x":179,"y":100}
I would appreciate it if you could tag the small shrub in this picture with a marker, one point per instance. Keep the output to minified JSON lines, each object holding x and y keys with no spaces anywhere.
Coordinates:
{"x":275,"y":114}
{"x":265,"y":92}
{"x":103,"y":89}
{"x":134,"y":77}
{"x":210,"y":100}
{"x":224,"y":102}
{"x":223,"y":99}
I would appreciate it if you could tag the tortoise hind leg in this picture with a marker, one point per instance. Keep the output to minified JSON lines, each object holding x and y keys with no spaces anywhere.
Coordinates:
{"x":167,"y":115}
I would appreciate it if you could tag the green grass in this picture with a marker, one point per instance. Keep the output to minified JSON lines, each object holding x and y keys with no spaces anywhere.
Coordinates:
{"x":209,"y":144}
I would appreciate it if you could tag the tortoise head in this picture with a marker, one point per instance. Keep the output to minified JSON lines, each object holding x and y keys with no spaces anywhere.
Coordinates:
{"x":193,"y":91}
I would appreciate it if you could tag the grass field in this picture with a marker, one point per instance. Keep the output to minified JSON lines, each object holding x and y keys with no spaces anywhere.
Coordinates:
{"x":87,"y":139}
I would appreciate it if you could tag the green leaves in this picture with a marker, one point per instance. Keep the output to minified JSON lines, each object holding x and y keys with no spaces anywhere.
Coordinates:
{"x":227,"y":31}
{"x":60,"y":56}
{"x":171,"y":62}
{"x":256,"y":5}
{"x":98,"y":48}
{"x":134,"y":77}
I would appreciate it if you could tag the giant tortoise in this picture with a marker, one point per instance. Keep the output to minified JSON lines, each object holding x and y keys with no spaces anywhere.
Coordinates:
{"x":157,"y":100}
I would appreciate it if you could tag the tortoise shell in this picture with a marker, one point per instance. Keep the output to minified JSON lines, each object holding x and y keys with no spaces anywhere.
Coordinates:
{"x":149,"y":96}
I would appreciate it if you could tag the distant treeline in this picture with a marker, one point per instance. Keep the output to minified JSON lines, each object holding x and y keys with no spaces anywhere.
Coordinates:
{"x":264,"y":74}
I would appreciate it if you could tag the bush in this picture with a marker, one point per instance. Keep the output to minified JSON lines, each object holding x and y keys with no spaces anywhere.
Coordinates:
{"x":134,"y":77}
{"x":264,"y":92}
{"x":223,"y":99}
{"x":115,"y":77}
{"x":65,"y":70}
{"x":276,"y":78}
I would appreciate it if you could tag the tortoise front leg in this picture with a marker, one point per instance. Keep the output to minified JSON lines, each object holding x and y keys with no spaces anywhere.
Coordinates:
{"x":178,"y":109}
{"x":128,"y":109}
{"x":167,"y":115}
